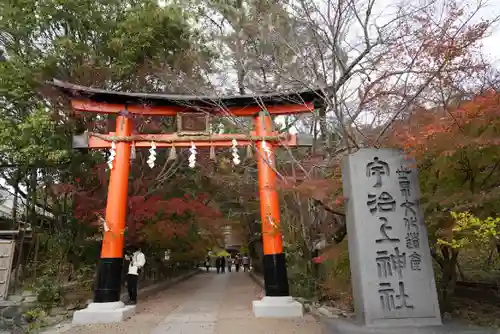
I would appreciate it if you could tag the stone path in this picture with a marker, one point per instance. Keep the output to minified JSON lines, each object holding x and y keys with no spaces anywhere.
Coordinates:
{"x":205,"y":304}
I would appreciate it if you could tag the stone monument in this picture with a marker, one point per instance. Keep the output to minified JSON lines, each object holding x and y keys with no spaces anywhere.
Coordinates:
{"x":391,"y":266}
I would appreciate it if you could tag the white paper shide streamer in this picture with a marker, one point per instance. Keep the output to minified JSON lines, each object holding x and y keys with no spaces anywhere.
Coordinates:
{"x":105,"y":226}
{"x":273,"y":224}
{"x":234,"y":150}
{"x":112,"y":155}
{"x":152,"y":155}
{"x":192,"y":156}
{"x":267,"y":151}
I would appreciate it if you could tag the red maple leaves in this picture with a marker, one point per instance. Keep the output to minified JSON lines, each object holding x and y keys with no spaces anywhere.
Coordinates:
{"x":167,"y":217}
{"x":147,"y":215}
{"x":443,"y":131}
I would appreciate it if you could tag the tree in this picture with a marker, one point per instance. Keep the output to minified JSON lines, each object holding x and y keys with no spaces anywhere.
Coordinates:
{"x":127,"y":45}
{"x":457,"y":152}
{"x":112,"y":45}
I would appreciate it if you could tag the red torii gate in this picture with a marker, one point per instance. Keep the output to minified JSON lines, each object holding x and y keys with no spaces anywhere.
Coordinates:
{"x":106,"y":305}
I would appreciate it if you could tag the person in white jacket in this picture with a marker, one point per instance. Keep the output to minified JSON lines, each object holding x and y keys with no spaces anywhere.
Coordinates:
{"x":137,"y":262}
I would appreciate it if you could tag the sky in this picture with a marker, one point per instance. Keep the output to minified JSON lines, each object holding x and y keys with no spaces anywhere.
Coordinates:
{"x":489,"y":10}
{"x":492,"y":47}
{"x":383,"y":11}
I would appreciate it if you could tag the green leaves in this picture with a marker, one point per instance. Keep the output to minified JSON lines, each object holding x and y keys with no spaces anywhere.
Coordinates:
{"x":33,"y":140}
{"x":469,"y":230}
{"x":116,"y":44}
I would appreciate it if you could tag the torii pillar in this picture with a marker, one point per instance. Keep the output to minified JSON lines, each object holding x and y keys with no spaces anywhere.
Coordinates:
{"x":107,"y":306}
{"x":277,"y":302}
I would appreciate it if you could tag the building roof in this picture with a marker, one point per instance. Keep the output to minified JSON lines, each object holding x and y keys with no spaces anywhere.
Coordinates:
{"x":160,"y":99}
{"x":7,"y":205}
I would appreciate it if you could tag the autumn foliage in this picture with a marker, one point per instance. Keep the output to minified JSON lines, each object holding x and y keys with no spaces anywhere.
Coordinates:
{"x":150,"y":217}
{"x":473,"y":124}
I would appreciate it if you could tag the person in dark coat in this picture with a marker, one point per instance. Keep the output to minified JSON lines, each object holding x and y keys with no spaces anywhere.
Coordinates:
{"x":217,"y":264}
{"x":223,"y":264}
{"x":237,"y":263}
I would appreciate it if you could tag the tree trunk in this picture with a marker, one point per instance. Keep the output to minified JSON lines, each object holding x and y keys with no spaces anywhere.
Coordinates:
{"x":16,"y":198}
{"x":449,"y":278}
{"x":323,"y":128}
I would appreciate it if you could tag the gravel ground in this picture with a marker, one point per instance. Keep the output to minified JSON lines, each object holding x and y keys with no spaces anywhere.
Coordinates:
{"x":230,"y":311}
{"x":235,"y":312}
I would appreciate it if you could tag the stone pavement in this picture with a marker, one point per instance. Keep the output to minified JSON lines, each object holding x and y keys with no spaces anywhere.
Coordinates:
{"x":207,"y":303}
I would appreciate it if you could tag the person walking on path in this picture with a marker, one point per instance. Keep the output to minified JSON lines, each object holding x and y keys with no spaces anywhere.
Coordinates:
{"x":237,"y":263}
{"x":207,"y":263}
{"x":137,"y":262}
{"x":246,"y":263}
{"x":229,"y":263}
{"x":223,"y":264}
{"x":217,"y":264}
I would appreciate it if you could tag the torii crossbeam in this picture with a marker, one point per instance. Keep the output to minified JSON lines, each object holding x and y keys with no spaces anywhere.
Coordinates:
{"x":106,"y":305}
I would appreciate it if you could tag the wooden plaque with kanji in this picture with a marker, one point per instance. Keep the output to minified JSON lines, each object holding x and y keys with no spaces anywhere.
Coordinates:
{"x":193,"y":123}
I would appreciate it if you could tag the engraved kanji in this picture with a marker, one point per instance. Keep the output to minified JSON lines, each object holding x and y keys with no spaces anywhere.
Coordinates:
{"x":383,"y":203}
{"x":415,"y":261}
{"x":412,"y":240}
{"x":404,"y":181}
{"x":388,"y":264}
{"x":384,"y":228}
{"x":377,"y":168}
{"x":386,"y":293}
{"x":390,"y":300}
{"x":411,"y":223}
{"x":409,"y":207}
